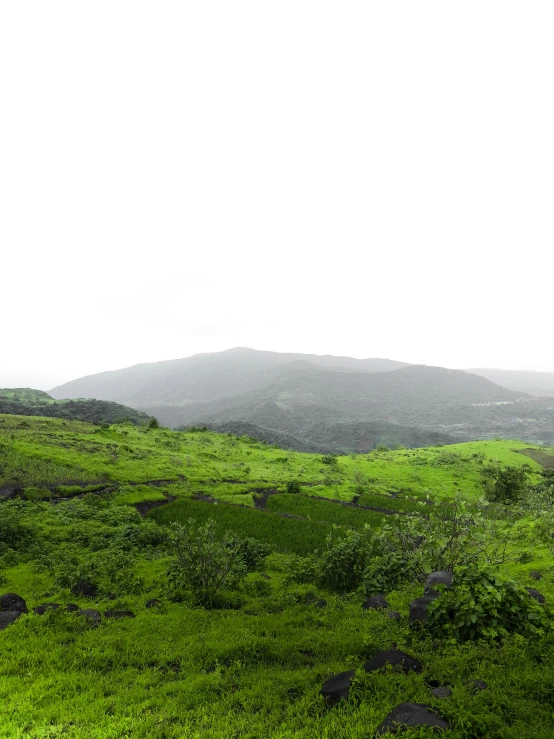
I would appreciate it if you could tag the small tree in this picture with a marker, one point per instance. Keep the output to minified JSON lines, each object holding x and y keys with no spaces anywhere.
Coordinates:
{"x":505,"y":485}
{"x":153,"y":423}
{"x":203,"y":563}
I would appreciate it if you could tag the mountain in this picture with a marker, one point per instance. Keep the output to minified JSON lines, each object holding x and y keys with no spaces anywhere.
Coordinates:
{"x":203,"y":377}
{"x":28,"y":402}
{"x":322,"y":403}
{"x":535,"y":383}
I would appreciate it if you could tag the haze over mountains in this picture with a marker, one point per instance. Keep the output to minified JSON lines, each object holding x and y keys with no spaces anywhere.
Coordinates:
{"x":316,"y":402}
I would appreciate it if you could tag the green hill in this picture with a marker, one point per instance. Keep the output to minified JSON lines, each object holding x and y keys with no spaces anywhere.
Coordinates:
{"x":28,"y":402}
{"x":71,"y":499}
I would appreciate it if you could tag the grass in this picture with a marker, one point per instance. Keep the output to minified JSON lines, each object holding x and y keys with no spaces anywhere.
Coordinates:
{"x":256,"y":669}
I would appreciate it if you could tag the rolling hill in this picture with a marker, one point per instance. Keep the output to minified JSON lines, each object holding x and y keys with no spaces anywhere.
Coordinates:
{"x":29,"y":402}
{"x":540,"y":384}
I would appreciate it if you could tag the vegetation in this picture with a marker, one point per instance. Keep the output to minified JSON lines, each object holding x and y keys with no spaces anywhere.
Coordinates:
{"x":254,"y":592}
{"x":27,"y":402}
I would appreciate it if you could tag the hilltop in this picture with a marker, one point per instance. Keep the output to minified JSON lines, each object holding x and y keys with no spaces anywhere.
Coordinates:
{"x":87,"y":518}
{"x":28,"y":402}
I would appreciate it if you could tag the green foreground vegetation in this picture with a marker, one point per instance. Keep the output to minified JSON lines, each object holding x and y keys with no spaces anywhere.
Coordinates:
{"x":305,"y":539}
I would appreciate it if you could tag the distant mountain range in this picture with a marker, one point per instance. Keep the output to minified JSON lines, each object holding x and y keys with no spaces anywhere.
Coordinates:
{"x":28,"y":402}
{"x":324,"y":402}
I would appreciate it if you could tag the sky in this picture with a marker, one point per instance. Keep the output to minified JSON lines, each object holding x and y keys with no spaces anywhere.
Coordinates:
{"x":372,"y":179}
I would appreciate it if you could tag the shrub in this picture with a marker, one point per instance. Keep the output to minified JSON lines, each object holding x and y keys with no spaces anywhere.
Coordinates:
{"x":15,"y":534}
{"x":342,"y":565}
{"x":329,"y":459}
{"x":293,"y":486}
{"x":110,"y":570}
{"x":250,"y":550}
{"x":384,"y":574}
{"x":203,"y":563}
{"x":483,"y":604}
{"x":505,"y":485}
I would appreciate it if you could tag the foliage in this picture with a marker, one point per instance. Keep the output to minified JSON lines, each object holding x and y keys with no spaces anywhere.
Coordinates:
{"x":153,"y":423}
{"x":293,"y":486}
{"x":15,"y":533}
{"x":203,"y":563}
{"x":505,"y":485}
{"x":483,"y":604}
{"x":330,"y":459}
{"x":110,"y":570}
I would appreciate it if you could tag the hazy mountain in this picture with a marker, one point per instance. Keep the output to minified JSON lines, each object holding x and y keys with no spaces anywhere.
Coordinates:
{"x":29,"y":402}
{"x":203,"y":377}
{"x":316,"y":402}
{"x":527,"y":381}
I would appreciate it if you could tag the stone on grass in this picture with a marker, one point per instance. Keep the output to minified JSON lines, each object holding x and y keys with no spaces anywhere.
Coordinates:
{"x":400,"y":662}
{"x":13,"y":602}
{"x":418,"y":607}
{"x":90,"y":614}
{"x":534,"y":593}
{"x":85,"y":588}
{"x":41,"y":610}
{"x":153,"y":603}
{"x":337,"y":688}
{"x":440,"y":577}
{"x":375,"y":602}
{"x":443,"y":691}
{"x":476,"y":685}
{"x":394,"y":615}
{"x":8,"y":617}
{"x":72,"y":607}
{"x":535,"y":575}
{"x":410,"y":714}
{"x":119,"y":614}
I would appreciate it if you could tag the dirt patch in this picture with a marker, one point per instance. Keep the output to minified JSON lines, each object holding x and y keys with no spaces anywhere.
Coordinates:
{"x":262,"y":494}
{"x":148,"y":505}
{"x":542,"y":457}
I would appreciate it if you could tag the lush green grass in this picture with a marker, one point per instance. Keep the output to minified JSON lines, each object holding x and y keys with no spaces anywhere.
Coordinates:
{"x":321,"y":510}
{"x":286,"y":535}
{"x":254,"y":670}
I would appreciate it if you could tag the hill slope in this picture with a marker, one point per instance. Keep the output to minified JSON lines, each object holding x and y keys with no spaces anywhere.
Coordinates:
{"x":540,"y":384}
{"x":28,"y":402}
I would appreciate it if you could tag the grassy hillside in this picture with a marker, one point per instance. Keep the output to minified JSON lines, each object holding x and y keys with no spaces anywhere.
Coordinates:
{"x":253,"y":666}
{"x":28,"y":402}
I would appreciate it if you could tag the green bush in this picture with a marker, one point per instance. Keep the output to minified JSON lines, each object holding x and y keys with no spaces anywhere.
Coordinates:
{"x":505,"y":485}
{"x":386,"y":573}
{"x":342,"y":565}
{"x":293,"y":486}
{"x":482,"y":604}
{"x":204,"y":564}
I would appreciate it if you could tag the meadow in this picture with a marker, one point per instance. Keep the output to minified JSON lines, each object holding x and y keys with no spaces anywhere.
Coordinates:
{"x":254,"y":666}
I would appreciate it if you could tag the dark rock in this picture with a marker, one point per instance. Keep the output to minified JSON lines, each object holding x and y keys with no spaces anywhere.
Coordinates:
{"x":440,"y":577}
{"x":265,"y":576}
{"x":400,"y":661}
{"x":85,"y":588}
{"x":71,"y":607}
{"x":10,"y":492}
{"x":410,"y":714}
{"x":442,"y":691}
{"x":418,"y":607}
{"x":8,"y":617}
{"x":13,"y":602}
{"x":337,"y":687}
{"x":535,"y":575}
{"x":394,"y":615}
{"x":111,"y":596}
{"x":375,"y":602}
{"x":119,"y":614}
{"x":40,"y":610}
{"x":476,"y":685}
{"x":153,"y":603}
{"x":535,"y":594}
{"x":90,"y":614}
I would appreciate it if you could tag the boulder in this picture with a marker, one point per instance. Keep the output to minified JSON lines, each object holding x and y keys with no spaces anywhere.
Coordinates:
{"x":153,"y":603}
{"x":71,"y":607}
{"x":375,"y":602}
{"x":337,"y":688}
{"x":119,"y":614}
{"x":90,"y":614}
{"x":443,"y":691}
{"x":394,"y":615}
{"x":440,"y":577}
{"x":418,"y":607}
{"x":8,"y":617}
{"x":476,"y":685}
{"x":41,"y":610}
{"x":536,"y":595}
{"x":400,"y":661}
{"x":85,"y":588}
{"x":13,"y":602}
{"x":410,"y":714}
{"x":535,"y":575}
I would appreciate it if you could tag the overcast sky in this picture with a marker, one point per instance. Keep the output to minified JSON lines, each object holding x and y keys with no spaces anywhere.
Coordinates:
{"x":373,"y":179}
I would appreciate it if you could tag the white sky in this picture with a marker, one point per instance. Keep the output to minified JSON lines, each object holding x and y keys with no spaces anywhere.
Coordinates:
{"x":365,"y":178}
